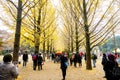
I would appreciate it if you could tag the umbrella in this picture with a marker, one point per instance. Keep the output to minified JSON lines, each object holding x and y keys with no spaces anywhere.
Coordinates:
{"x":58,"y":52}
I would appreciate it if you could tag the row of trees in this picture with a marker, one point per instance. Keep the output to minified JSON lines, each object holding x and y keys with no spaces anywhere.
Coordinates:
{"x":86,"y":24}
{"x":35,"y":22}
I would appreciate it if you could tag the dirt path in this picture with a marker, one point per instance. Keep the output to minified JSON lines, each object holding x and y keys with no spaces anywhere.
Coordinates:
{"x":51,"y":71}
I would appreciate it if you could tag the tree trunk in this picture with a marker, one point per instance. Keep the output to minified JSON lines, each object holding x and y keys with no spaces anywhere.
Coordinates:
{"x":87,"y":36}
{"x":72,"y":48}
{"x":114,"y":40}
{"x":77,"y":46}
{"x":48,"y":48}
{"x":37,"y":34}
{"x":37,"y":42}
{"x":88,"y":54}
{"x":68,"y":46}
{"x":44,"y":43}
{"x":17,"y":32}
{"x":51,"y":45}
{"x":36,"y":49}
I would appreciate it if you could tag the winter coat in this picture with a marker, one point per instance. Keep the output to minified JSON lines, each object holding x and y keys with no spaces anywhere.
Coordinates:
{"x":63,"y":60}
{"x":39,"y":59}
{"x":25,"y":57}
{"x":8,"y":71}
{"x":109,"y":68}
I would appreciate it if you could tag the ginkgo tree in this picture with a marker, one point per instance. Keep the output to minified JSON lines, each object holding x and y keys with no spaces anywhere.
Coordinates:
{"x":96,"y":21}
{"x":18,"y":10}
{"x":39,"y":25}
{"x":75,"y":37}
{"x":34,"y":17}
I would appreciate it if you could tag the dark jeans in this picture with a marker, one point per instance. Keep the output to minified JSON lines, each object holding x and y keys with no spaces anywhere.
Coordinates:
{"x":71,"y":62}
{"x":64,"y":73}
{"x":75,"y":63}
{"x":39,"y":66}
{"x":34,"y":65}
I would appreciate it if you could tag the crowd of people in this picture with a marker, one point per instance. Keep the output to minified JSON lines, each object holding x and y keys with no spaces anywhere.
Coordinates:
{"x":109,"y":63}
{"x":9,"y":70}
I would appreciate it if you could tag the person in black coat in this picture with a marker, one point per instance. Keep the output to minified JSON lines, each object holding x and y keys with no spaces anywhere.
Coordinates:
{"x":75,"y":60}
{"x":104,"y":61}
{"x":111,"y":63}
{"x":63,"y":66}
{"x":71,"y":59}
{"x":39,"y":60}
{"x":79,"y":60}
{"x":25,"y":59}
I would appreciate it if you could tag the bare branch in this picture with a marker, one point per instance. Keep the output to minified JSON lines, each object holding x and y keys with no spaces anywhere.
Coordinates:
{"x":10,"y":9}
{"x":102,"y":17}
{"x":28,"y":38}
{"x":93,"y":13}
{"x":25,"y":13}
{"x":105,"y":34}
{"x":25,"y":3}
{"x":12,"y":3}
{"x":105,"y":24}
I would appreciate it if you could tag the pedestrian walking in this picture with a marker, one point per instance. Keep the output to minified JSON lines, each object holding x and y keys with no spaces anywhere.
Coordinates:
{"x":85,"y":58}
{"x":34,"y":58}
{"x":71,"y":59}
{"x":40,"y":61}
{"x":104,"y":61}
{"x":111,"y":63}
{"x":8,"y":71}
{"x":64,"y":64}
{"x":25,"y":58}
{"x":94,"y":58}
{"x":80,"y":60}
{"x":75,"y":60}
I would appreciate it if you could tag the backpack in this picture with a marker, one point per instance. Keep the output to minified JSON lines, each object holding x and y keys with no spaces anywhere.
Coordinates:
{"x":34,"y":57}
{"x":95,"y":57}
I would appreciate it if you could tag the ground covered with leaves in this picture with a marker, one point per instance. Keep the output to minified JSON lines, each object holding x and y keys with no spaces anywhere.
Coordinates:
{"x":52,"y":71}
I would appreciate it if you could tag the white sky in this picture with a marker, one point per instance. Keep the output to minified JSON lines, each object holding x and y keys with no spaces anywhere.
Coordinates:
{"x":2,"y":27}
{"x":55,"y":2}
